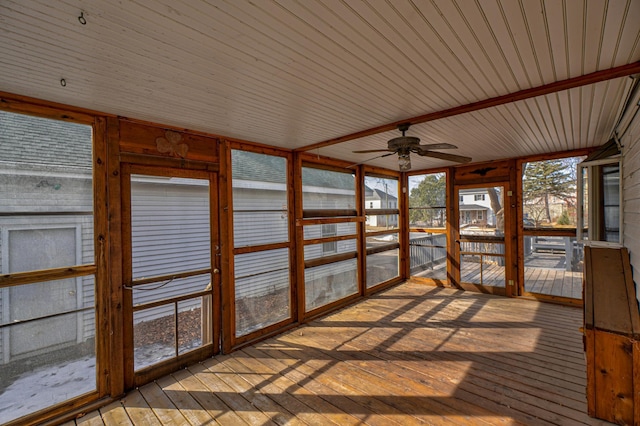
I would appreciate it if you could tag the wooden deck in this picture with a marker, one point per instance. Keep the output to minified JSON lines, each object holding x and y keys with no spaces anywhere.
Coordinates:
{"x":538,"y":280}
{"x":553,"y":282}
{"x":414,"y":354}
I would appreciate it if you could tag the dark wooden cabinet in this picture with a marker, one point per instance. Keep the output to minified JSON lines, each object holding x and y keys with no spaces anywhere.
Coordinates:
{"x":612,"y":336}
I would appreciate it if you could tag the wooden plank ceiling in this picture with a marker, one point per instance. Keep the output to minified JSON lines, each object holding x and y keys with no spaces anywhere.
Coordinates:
{"x":292,"y":73}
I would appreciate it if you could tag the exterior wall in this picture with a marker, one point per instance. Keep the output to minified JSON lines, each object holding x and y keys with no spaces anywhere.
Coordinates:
{"x":631,"y":196}
{"x":166,"y":240}
{"x":46,"y":203}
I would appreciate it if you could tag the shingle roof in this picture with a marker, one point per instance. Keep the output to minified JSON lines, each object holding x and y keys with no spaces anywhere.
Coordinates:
{"x":380,"y":194}
{"x":33,"y":140}
{"x":258,"y":167}
{"x":267,"y":168}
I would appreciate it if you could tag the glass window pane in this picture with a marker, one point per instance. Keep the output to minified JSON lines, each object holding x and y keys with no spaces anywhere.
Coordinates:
{"x":382,"y":267}
{"x":479,"y":264}
{"x":481,"y":211}
{"x":381,"y":240}
{"x":585,"y":203}
{"x":428,"y":254}
{"x":154,"y":335}
{"x":549,"y":194}
{"x":380,"y":193}
{"x":611,"y":199}
{"x":157,"y":291}
{"x":253,"y":228}
{"x":328,"y":283}
{"x":315,"y":251}
{"x":194,"y":323}
{"x":553,"y":266}
{"x":260,"y":202}
{"x":154,"y":330}
{"x":262,"y":289}
{"x":329,"y":230}
{"x":170,"y":229}
{"x":47,"y":344}
{"x":427,"y":201}
{"x":47,"y":329}
{"x":325,"y":189}
{"x":384,"y":222}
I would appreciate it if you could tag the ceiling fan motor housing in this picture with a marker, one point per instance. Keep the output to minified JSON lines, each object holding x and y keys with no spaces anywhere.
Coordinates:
{"x":402,"y":143}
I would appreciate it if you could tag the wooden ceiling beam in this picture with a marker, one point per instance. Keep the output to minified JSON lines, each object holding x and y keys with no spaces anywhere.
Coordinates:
{"x":583,"y":80}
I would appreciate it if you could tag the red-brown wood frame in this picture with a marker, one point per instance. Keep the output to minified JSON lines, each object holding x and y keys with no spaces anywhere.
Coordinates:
{"x":230,"y":341}
{"x":111,"y":249}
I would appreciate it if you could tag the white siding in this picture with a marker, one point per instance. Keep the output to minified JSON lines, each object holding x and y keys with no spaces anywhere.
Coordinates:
{"x":170,"y":234}
{"x":631,"y":195}
{"x":260,"y":216}
{"x":82,"y":224}
{"x":261,"y":273}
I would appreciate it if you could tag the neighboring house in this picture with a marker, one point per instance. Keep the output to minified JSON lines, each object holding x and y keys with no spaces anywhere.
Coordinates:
{"x":46,"y":206}
{"x":378,"y":199}
{"x":535,"y":209}
{"x":475,"y":208}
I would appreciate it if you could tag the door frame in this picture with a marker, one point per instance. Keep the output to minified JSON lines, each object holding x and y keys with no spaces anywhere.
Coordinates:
{"x":147,"y":374}
{"x":510,"y":238}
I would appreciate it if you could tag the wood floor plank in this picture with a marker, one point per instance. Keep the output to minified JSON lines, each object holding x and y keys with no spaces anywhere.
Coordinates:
{"x":138,"y":410}
{"x":268,"y":382}
{"x":237,"y":402}
{"x":90,"y":419}
{"x":350,"y":411}
{"x":277,"y":413}
{"x":209,"y":401}
{"x":190,"y":408}
{"x":306,"y":389}
{"x":115,"y":414}
{"x":161,"y":405}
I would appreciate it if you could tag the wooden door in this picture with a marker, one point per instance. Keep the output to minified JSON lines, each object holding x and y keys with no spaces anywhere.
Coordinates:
{"x":170,"y":237}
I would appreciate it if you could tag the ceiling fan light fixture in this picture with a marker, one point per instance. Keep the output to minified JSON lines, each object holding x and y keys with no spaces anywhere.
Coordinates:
{"x":405,"y":145}
{"x":404,"y":161}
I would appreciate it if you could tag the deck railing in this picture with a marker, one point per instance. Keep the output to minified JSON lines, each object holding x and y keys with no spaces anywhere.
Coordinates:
{"x":427,"y":252}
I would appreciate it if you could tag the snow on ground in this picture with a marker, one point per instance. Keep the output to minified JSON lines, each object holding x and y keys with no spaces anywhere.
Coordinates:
{"x":46,"y":386}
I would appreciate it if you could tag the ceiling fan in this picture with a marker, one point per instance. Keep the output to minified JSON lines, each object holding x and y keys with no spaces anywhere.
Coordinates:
{"x":405,"y":145}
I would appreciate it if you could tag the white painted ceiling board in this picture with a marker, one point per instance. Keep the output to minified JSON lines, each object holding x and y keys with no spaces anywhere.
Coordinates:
{"x":293,"y":73}
{"x":612,"y":36}
{"x":592,"y":35}
{"x":487,"y":51}
{"x":575,"y":28}
{"x":504,"y":37}
{"x":557,"y":38}
{"x":546,"y":124}
{"x":437,"y":42}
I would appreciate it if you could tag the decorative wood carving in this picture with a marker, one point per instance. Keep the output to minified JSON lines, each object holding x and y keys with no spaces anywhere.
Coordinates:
{"x":483,"y":171}
{"x":175,"y":145}
{"x":170,"y":144}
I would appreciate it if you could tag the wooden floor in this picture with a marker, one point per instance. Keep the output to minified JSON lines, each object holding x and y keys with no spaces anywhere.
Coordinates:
{"x":554,"y":282}
{"x":414,"y":354}
{"x":538,"y":280}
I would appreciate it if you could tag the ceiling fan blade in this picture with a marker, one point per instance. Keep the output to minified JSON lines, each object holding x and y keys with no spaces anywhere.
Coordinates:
{"x":372,"y":150}
{"x":445,"y":156}
{"x":437,"y":146}
{"x":370,"y":159}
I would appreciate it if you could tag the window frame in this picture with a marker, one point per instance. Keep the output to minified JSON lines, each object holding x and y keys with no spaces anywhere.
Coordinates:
{"x":587,"y":238}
